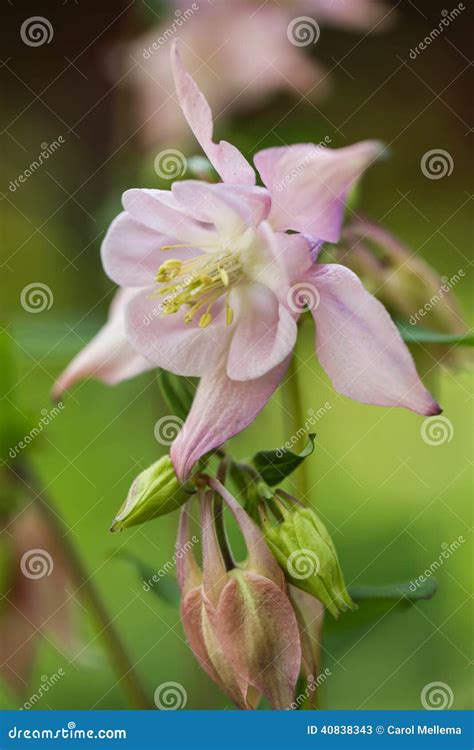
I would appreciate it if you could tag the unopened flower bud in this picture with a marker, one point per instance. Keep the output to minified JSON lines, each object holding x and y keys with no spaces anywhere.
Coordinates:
{"x":306,"y":553}
{"x":155,"y":492}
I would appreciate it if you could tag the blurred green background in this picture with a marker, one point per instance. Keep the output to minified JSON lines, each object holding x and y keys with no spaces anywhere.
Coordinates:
{"x":389,"y":499}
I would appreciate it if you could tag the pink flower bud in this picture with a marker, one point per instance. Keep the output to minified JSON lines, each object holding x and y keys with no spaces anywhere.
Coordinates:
{"x":239,"y":621}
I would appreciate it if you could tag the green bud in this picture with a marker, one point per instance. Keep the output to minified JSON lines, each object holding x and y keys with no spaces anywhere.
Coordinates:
{"x":155,"y":492}
{"x":306,"y":554}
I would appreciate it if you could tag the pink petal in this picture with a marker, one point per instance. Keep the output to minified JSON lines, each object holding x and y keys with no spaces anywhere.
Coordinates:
{"x":309,"y":184}
{"x":226,"y":159}
{"x":352,"y":14}
{"x":109,"y":356}
{"x":265,"y":333}
{"x":360,"y":347}
{"x":198,"y":617}
{"x":166,"y":341}
{"x":221,"y":408}
{"x":131,"y":252}
{"x":258,"y":631}
{"x":158,"y":210}
{"x":216,"y":203}
{"x":283,"y":260}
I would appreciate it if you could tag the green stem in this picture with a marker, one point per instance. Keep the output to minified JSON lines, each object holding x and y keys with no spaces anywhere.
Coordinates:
{"x":112,"y":643}
{"x":296,"y":420}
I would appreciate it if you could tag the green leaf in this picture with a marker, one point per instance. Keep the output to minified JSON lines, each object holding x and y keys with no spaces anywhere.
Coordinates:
{"x":375,"y":603}
{"x":275,"y":466}
{"x":178,"y":392}
{"x":417,"y":335}
{"x":395,"y":591}
{"x":156,"y":581}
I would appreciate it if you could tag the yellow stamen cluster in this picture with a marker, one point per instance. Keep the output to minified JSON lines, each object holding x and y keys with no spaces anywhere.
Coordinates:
{"x":198,"y":283}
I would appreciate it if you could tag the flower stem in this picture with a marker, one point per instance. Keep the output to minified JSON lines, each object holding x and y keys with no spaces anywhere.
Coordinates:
{"x":296,"y":420}
{"x":111,"y":641}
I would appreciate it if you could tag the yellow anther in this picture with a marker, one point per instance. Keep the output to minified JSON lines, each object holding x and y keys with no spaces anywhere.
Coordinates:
{"x":197,"y":283}
{"x":172,"y":247}
{"x":206,"y":279}
{"x":205,"y":319}
{"x":224,"y":277}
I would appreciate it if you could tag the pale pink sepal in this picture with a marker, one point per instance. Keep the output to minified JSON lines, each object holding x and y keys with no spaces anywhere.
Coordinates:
{"x":309,"y":184}
{"x":109,"y":356}
{"x":221,"y":408}
{"x":359,"y":346}
{"x":227,"y":159}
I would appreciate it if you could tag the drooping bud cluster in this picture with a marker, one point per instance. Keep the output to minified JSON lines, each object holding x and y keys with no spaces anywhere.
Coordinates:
{"x":254,"y":626}
{"x":239,"y":620}
{"x":407,"y":285}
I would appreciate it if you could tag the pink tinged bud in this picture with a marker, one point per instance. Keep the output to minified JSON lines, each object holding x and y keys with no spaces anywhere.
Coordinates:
{"x":310,"y":615}
{"x":401,"y":279}
{"x":258,"y":630}
{"x":239,"y":623}
{"x":197,"y":611}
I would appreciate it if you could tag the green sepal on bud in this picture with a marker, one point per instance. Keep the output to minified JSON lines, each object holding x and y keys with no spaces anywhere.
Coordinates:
{"x":307,"y":556}
{"x":154,"y":492}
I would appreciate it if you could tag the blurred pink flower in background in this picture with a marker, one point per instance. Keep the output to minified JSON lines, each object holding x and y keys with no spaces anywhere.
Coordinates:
{"x":239,"y":51}
{"x":36,"y":602}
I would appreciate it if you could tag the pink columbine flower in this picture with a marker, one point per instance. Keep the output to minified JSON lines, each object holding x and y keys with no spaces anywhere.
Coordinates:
{"x":239,"y":269}
{"x":239,"y":621}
